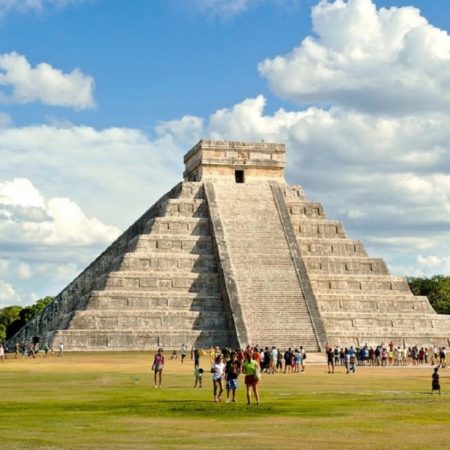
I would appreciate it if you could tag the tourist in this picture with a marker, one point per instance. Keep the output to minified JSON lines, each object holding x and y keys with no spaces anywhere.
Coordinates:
{"x":336,"y":356}
{"x":288,"y":360}
{"x":303,"y":352}
{"x":279,"y":365}
{"x":435,"y":386}
{"x":298,"y":360}
{"x":273,"y":360}
{"x":250,"y":369}
{"x":198,"y":373}
{"x":2,"y":353}
{"x":232,"y":370}
{"x":157,"y":367}
{"x":443,"y":357}
{"x":218,"y":371}
{"x":330,"y":360}
{"x":183,"y":353}
{"x":351,"y":360}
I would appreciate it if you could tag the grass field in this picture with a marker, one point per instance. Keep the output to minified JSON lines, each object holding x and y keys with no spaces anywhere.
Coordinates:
{"x":107,"y":401}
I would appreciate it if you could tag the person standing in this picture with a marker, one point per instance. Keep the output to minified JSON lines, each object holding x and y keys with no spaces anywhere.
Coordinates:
{"x":218,"y":371}
{"x":250,"y":368}
{"x":2,"y":353}
{"x":232,"y":370}
{"x":435,"y":385}
{"x":330,"y":360}
{"x":183,"y":353}
{"x":61,"y":349}
{"x":157,"y":367}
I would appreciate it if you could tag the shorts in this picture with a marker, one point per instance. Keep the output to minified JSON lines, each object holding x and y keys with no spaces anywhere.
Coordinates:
{"x":232,"y":384}
{"x":251,"y":380}
{"x":157,"y":367}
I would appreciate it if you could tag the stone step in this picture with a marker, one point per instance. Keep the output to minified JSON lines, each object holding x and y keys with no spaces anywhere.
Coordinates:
{"x":400,"y":325}
{"x":135,"y":300}
{"x":160,"y":281}
{"x":330,"y":247}
{"x":144,"y":320}
{"x":126,"y":340}
{"x":358,"y":282}
{"x":140,"y":261}
{"x":255,"y":238}
{"x":345,"y":265}
{"x":190,"y":189}
{"x":185,"y":207}
{"x":166,"y":243}
{"x":387,"y":306}
{"x":174,"y":225}
{"x":299,"y":209}
{"x":324,"y":228}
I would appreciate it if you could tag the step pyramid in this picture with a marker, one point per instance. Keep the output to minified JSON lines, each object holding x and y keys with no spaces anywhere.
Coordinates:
{"x":234,"y":256}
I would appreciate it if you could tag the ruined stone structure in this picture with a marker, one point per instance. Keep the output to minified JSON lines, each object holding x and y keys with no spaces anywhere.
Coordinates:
{"x":233,"y":255}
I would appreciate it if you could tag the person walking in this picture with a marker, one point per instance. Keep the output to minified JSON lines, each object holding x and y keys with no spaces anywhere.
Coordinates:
{"x":252,"y":375}
{"x":157,"y":367}
{"x":435,"y":385}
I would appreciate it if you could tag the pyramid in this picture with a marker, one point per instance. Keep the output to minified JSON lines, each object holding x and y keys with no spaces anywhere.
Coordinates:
{"x":233,"y":256}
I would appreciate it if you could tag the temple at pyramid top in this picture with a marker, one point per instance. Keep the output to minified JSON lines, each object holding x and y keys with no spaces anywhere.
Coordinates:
{"x":233,"y":255}
{"x":232,"y":160}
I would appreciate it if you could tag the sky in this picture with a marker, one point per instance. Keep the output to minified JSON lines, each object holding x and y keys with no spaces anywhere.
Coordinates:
{"x":100,"y":99}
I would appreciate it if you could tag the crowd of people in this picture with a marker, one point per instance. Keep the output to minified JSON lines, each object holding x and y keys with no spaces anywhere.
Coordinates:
{"x":228,"y":364}
{"x":31,"y":350}
{"x":384,"y":355}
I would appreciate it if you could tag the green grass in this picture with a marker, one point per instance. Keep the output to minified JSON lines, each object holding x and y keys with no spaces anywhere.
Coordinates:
{"x":106,"y":401}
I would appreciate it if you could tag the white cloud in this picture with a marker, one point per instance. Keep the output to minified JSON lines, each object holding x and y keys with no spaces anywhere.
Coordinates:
{"x":229,"y":8}
{"x":8,"y":294}
{"x":24,"y":271}
{"x":43,"y":83}
{"x":34,"y":6}
{"x":57,"y":221}
{"x":5,"y":120}
{"x":389,"y":60}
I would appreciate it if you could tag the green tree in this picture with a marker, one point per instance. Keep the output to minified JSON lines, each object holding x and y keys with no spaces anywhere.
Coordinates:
{"x":436,"y":288}
{"x":8,"y":316}
{"x":24,"y":315}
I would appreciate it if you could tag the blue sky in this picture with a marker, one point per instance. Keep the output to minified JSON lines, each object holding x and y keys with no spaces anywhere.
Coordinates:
{"x":99,"y":99}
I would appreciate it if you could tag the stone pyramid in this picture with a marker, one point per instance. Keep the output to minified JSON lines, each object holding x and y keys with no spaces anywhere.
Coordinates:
{"x":235,"y":256}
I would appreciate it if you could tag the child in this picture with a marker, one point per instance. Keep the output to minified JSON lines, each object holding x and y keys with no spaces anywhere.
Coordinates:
{"x":198,"y":372}
{"x":435,"y":386}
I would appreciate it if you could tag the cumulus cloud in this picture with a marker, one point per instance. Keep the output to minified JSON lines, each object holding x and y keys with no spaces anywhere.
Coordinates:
{"x":390,"y":60}
{"x":61,"y":220}
{"x":43,"y":83}
{"x":8,"y":294}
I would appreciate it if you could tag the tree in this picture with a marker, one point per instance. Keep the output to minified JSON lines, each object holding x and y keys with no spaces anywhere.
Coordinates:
{"x":16,"y":317}
{"x":436,"y":288}
{"x":8,"y":316}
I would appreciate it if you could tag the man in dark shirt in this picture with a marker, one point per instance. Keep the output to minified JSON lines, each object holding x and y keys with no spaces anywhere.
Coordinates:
{"x":232,"y":371}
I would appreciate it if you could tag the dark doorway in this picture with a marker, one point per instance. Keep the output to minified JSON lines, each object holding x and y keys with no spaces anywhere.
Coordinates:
{"x":239,"y":176}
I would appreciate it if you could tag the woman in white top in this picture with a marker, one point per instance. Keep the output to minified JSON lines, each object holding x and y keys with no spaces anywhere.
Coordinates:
{"x":2,"y":353}
{"x":218,"y":370}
